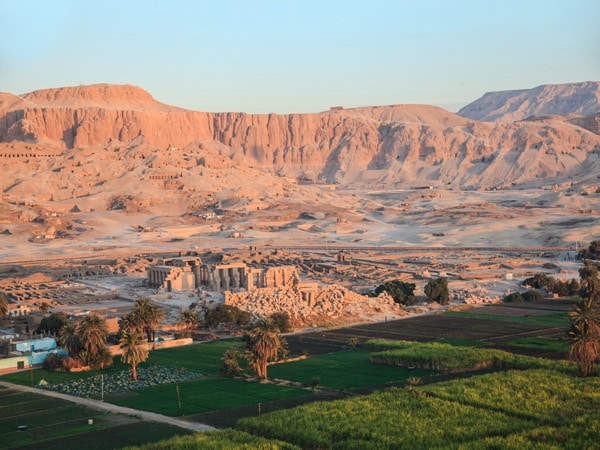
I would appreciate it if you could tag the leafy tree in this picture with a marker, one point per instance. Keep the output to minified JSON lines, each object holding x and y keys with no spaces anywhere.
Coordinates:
{"x":135,"y":350}
{"x":550,"y":284}
{"x":590,"y":284}
{"x":514,"y":297}
{"x":231,"y":366}
{"x":52,"y":324}
{"x":188,"y":319}
{"x":227,"y":314}
{"x":532,"y":296}
{"x":281,"y":321}
{"x":437,"y":291}
{"x":3,"y":305}
{"x":45,"y":307}
{"x":401,"y":292}
{"x":584,"y":335}
{"x":69,"y":340}
{"x":539,"y":281}
{"x":263,"y":345}
{"x":592,"y":252}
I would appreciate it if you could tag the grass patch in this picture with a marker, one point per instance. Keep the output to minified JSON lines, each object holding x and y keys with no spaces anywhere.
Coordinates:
{"x":203,"y":395}
{"x":341,"y":370}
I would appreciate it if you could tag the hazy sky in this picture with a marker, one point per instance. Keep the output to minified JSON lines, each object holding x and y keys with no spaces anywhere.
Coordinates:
{"x":299,"y":56}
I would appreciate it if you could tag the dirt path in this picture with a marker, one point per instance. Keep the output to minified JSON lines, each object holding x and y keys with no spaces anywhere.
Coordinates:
{"x":97,"y":404}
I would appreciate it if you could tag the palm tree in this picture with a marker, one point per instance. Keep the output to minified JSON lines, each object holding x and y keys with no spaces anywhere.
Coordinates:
{"x":188,"y":319}
{"x":150,"y":315}
{"x":68,"y":339}
{"x":92,"y":333}
{"x":590,"y":283}
{"x":135,"y":350}
{"x":3,"y":305}
{"x":131,"y":322}
{"x":584,"y":335}
{"x":231,"y":366}
{"x":264,"y":344}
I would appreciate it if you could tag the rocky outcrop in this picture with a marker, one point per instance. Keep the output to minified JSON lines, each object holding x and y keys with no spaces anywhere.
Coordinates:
{"x":509,"y":106}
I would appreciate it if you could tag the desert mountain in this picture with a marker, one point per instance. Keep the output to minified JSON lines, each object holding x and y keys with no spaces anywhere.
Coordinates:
{"x":549,"y":99}
{"x":80,"y":138}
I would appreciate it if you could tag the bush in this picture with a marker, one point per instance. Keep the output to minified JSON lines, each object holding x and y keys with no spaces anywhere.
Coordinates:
{"x":401,"y":292}
{"x":53,"y":362}
{"x":437,"y":291}
{"x":515,"y":297}
{"x":532,"y":296}
{"x":281,"y":321}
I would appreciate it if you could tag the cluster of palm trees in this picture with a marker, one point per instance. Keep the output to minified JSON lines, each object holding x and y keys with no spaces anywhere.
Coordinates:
{"x":145,"y":318}
{"x":86,"y":341}
{"x":583,"y":333}
{"x":142,"y":321}
{"x":264,"y":344}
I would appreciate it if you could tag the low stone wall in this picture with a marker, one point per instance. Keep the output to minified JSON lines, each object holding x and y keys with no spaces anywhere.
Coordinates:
{"x":116,"y":350}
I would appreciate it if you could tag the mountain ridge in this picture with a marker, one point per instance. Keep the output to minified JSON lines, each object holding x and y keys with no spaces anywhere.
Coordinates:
{"x":547,"y":99}
{"x":389,"y":145}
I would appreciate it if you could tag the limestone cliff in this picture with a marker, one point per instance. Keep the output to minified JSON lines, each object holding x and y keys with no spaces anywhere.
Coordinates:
{"x":389,"y":145}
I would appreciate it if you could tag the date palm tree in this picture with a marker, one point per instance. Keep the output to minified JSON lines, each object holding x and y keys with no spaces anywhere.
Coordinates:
{"x":135,"y":350}
{"x":263,"y":345}
{"x":188,"y":319}
{"x":69,"y":340}
{"x":584,"y":335}
{"x":150,"y":316}
{"x":590,"y":283}
{"x":92,"y":332}
{"x":231,"y":366}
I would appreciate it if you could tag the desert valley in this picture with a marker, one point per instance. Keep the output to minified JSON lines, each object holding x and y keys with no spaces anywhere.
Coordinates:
{"x":110,"y":196}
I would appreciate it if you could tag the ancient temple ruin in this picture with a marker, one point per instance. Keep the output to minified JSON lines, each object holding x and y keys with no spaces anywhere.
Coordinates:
{"x":188,"y":273}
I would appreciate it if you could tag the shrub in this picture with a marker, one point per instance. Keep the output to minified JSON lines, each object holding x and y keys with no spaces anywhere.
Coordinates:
{"x":401,"y":292}
{"x":53,"y":362}
{"x":515,"y":297}
{"x":437,"y":291}
{"x":532,"y":296}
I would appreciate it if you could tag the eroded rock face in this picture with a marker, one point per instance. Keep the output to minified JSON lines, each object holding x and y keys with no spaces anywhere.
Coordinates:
{"x":390,"y":145}
{"x":509,"y":106}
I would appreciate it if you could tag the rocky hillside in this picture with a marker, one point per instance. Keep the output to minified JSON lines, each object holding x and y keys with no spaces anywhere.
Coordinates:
{"x":75,"y":141}
{"x":509,"y":106}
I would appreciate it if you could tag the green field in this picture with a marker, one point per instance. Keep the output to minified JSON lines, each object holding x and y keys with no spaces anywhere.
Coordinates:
{"x":342,"y":370}
{"x":514,"y":409}
{"x":540,"y":405}
{"x":203,"y":395}
{"x":57,"y":424}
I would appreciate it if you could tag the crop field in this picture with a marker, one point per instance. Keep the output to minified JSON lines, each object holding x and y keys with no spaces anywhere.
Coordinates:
{"x":512,"y":409}
{"x":342,"y":370}
{"x":203,"y":395}
{"x":492,"y":325}
{"x":57,"y":424}
{"x":460,"y":410}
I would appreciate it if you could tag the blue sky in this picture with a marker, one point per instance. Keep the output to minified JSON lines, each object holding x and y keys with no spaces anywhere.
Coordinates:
{"x":299,"y":56}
